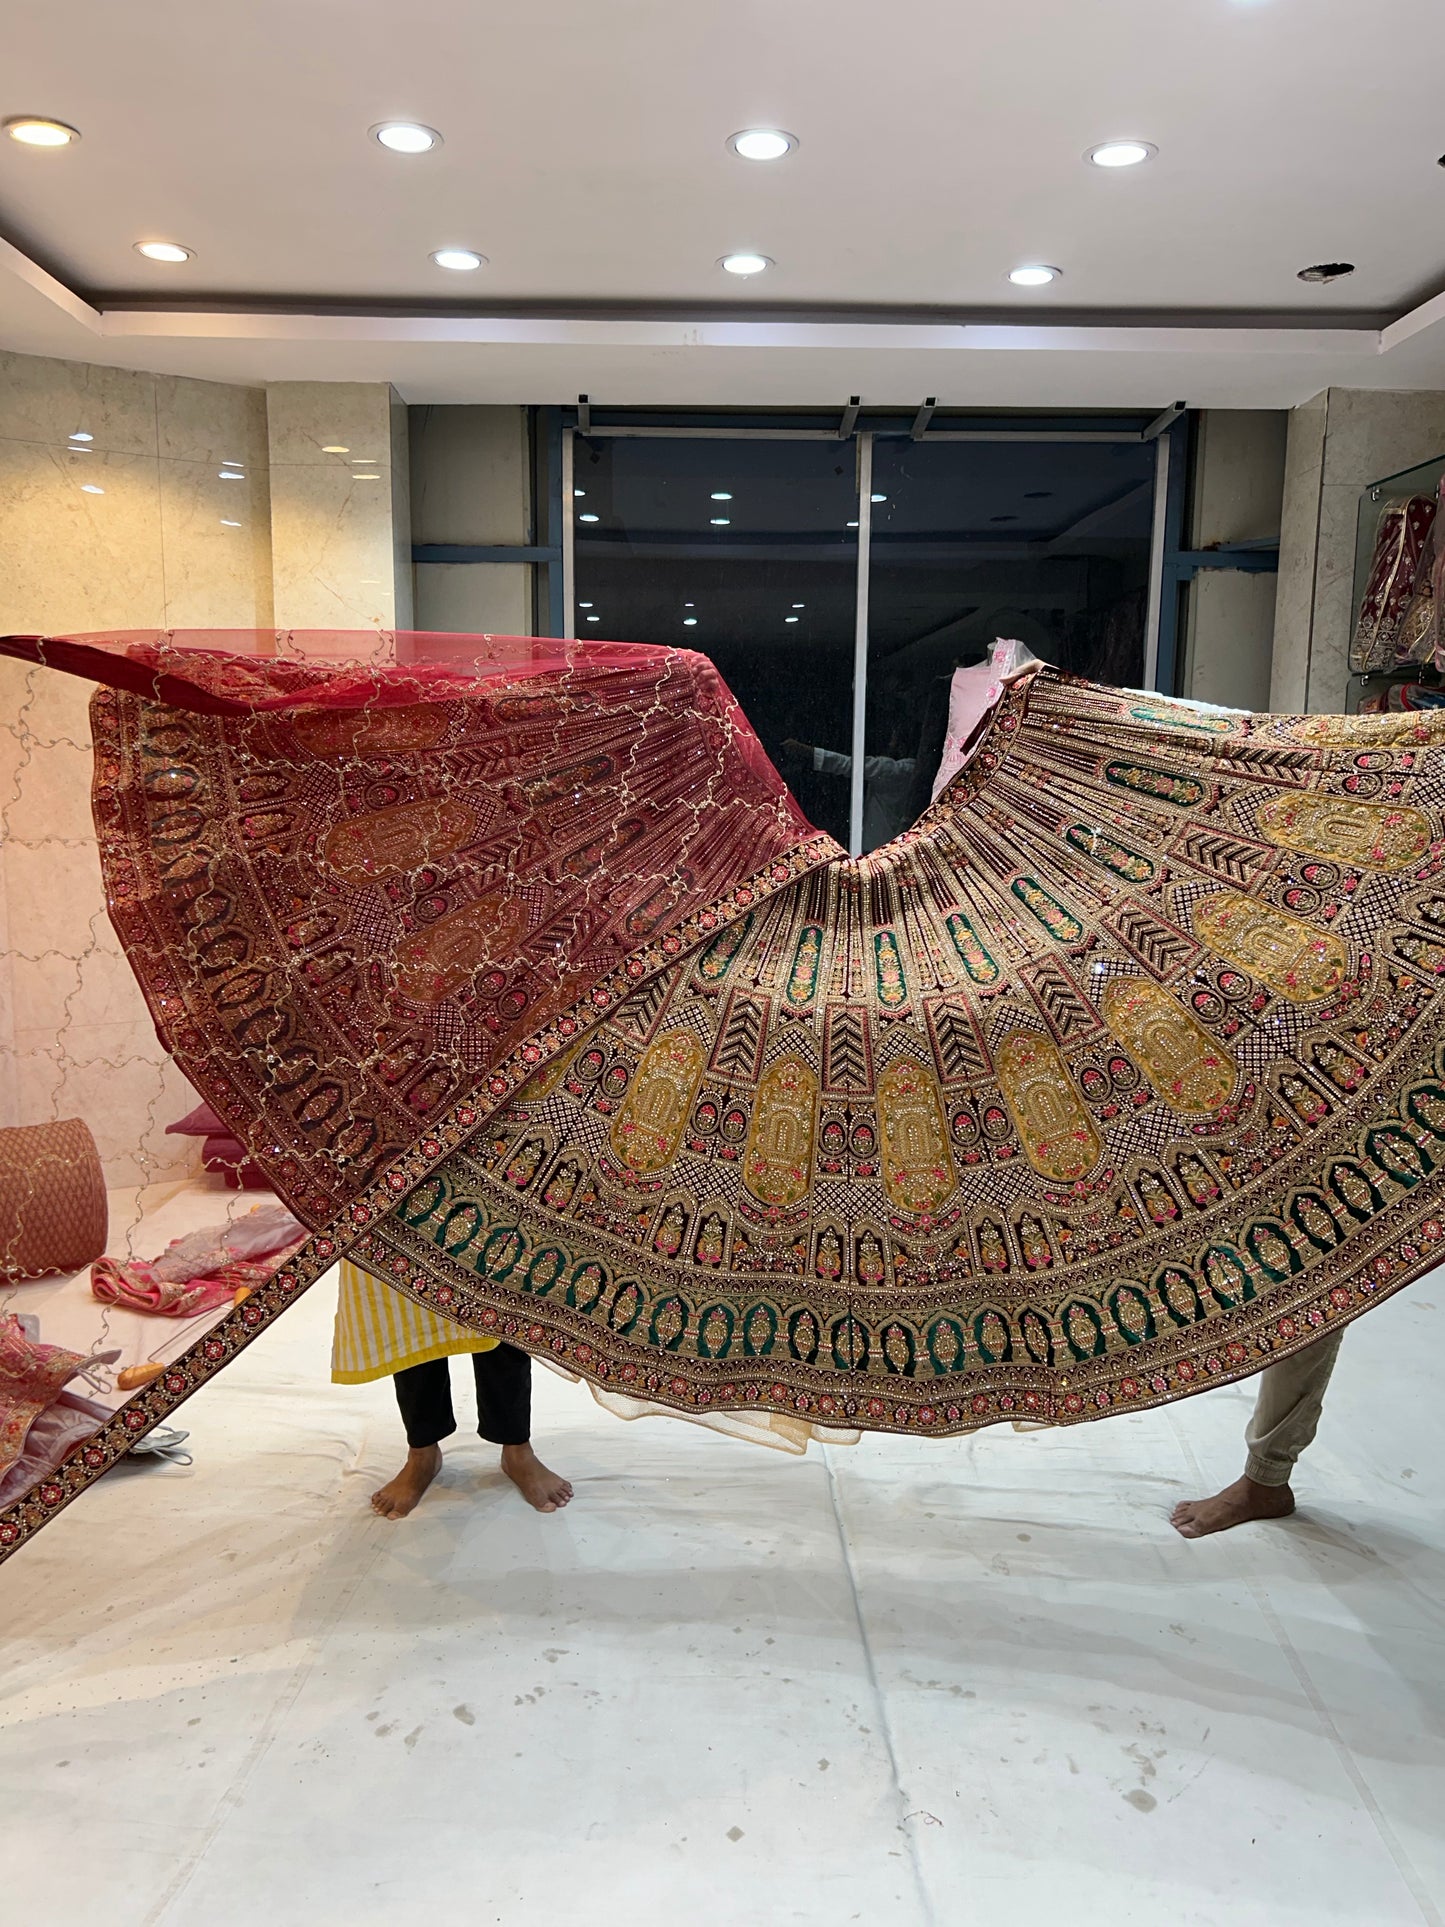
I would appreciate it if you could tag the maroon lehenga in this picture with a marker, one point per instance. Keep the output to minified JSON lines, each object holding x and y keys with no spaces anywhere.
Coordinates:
{"x":516,"y":968}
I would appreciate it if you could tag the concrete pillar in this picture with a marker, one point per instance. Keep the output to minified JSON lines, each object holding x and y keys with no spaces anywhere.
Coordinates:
{"x":1340,"y":442}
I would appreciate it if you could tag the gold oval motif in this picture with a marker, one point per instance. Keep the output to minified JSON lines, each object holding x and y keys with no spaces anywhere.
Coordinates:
{"x":1374,"y":836}
{"x":1188,"y":1069}
{"x":1057,"y":1133}
{"x":438,"y":961}
{"x":394,"y":841}
{"x":1299,"y":963}
{"x":778,"y":1161}
{"x":918,"y":1168}
{"x":1365,"y":732}
{"x":373,"y":732}
{"x":648,"y":1129}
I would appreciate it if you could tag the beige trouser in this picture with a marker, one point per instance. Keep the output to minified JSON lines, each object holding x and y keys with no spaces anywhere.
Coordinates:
{"x":1287,"y":1410}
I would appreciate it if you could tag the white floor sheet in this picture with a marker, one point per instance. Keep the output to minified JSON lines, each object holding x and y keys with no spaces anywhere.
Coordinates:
{"x":943,"y":1685}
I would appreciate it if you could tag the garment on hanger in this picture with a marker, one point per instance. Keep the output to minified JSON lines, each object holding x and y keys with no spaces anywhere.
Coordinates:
{"x":517,"y":969}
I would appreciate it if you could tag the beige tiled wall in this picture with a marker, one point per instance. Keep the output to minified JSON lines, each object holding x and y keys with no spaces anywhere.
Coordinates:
{"x":134,"y":529}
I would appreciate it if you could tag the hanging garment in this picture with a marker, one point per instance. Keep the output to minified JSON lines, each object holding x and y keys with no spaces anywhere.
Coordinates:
{"x":1400,"y":544}
{"x":380,"y":1331}
{"x":1118,"y":1075}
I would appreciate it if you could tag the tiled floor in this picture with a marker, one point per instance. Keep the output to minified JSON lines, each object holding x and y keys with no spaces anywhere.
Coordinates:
{"x":955,"y":1684}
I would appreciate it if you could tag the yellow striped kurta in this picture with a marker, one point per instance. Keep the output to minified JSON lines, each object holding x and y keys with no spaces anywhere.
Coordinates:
{"x":379,"y":1331}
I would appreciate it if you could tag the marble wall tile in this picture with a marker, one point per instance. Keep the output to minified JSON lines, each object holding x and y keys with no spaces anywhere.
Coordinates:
{"x":43,"y":400}
{"x":216,"y":543}
{"x":80,"y":539}
{"x":332,"y":551}
{"x":210,"y":421}
{"x":306,"y":418}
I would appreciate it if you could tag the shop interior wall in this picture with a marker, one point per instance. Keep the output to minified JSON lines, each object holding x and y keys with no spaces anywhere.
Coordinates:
{"x":472,"y":485}
{"x":1339,"y":442}
{"x":1236,"y":495}
{"x":195,"y":504}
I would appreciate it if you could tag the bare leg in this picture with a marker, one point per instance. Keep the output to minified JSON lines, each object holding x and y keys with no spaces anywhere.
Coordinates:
{"x":403,"y":1493}
{"x":1286,"y":1412}
{"x":1236,"y":1505}
{"x":544,"y":1489}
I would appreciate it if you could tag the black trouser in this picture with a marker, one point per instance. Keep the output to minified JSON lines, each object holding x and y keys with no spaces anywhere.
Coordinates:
{"x":504,"y":1398}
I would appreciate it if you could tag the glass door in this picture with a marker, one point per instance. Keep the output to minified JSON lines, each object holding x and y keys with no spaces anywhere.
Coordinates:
{"x":745,"y":548}
{"x":1047,"y":542}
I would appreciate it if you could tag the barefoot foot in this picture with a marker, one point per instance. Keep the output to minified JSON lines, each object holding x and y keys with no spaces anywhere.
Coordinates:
{"x":1246,"y":1499}
{"x":401,"y":1494}
{"x":538,"y":1486}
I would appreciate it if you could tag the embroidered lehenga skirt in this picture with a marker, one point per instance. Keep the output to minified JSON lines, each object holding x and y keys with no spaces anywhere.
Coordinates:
{"x":520,"y":973}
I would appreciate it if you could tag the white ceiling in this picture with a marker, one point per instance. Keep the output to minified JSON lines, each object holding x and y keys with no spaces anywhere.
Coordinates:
{"x":941,"y":144}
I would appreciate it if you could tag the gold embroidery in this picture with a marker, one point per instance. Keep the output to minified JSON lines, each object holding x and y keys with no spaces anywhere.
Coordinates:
{"x":648,"y":1129}
{"x":1058,"y":1136}
{"x":1299,"y":963}
{"x":778,"y":1162}
{"x":1187,"y":1068}
{"x":918,"y":1170}
{"x":440,"y":960}
{"x":373,"y":732}
{"x":1376,"y":836}
{"x":394,"y":841}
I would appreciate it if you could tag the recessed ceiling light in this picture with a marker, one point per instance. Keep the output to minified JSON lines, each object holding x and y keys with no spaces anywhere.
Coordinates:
{"x":1036,"y":276}
{"x":689,"y":622}
{"x":459,"y":258}
{"x":366,"y":478}
{"x":594,"y":618}
{"x":689,"y":605}
{"x":721,"y":495}
{"x":745,"y":263}
{"x":89,"y":488}
{"x":589,"y":518}
{"x":800,"y":605}
{"x":79,"y":435}
{"x":226,"y":523}
{"x":792,"y":618}
{"x":579,"y":491}
{"x":762,"y":143}
{"x":230,"y":475}
{"x":851,"y":525}
{"x":406,"y":136}
{"x":335,"y":448}
{"x":720,"y":522}
{"x":35,"y":130}
{"x":163,"y":251}
{"x":584,"y":605}
{"x":879,"y":498}
{"x":1327,"y":271}
{"x":1121,"y":153}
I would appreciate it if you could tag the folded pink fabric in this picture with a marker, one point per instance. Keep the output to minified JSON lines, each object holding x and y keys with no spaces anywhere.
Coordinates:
{"x":203,"y":1270}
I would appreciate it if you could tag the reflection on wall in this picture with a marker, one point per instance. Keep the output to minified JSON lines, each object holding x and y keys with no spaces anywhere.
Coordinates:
{"x":134,"y":500}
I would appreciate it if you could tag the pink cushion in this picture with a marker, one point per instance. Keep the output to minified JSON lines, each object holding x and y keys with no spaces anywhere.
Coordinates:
{"x":201,"y":1122}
